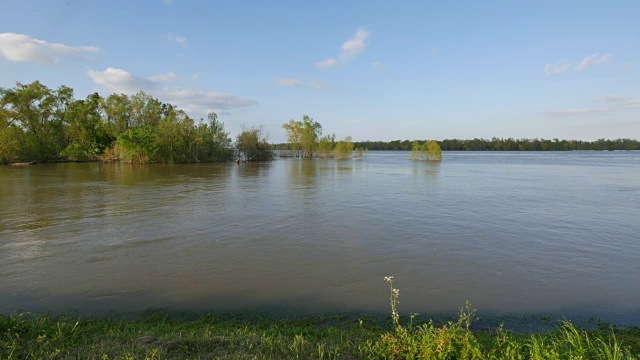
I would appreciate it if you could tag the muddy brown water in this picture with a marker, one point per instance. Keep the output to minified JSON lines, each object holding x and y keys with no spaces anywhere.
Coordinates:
{"x":523,"y":233}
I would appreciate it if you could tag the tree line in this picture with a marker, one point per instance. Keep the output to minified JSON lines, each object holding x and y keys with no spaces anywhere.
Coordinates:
{"x":41,"y":124}
{"x":509,"y":144}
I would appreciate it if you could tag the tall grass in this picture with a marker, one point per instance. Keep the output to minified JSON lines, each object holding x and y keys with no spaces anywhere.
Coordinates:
{"x":455,"y":340}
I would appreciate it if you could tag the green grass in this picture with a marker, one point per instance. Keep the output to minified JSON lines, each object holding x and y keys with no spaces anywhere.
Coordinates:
{"x":175,"y":335}
{"x":161,"y":334}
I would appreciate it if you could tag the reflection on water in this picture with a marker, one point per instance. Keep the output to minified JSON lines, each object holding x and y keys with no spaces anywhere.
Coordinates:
{"x":511,"y":232}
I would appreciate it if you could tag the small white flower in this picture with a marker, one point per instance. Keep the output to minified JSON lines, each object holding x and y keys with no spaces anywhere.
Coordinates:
{"x":396,"y":292}
{"x":388,"y":278}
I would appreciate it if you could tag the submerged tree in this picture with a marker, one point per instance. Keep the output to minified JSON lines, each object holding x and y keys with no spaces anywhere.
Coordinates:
{"x":253,"y":146}
{"x":429,"y":150}
{"x":326,"y":145}
{"x":303,"y":135}
{"x":344,"y":149}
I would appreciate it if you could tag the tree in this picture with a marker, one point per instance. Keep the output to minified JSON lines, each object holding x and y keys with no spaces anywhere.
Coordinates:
{"x":344,"y":149}
{"x":39,"y":111}
{"x":10,"y":136}
{"x":429,"y":150}
{"x":253,"y":146}
{"x":326,"y":145}
{"x":303,"y":135}
{"x":85,"y":130}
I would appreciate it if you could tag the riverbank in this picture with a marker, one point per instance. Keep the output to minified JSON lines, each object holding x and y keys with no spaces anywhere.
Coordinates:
{"x":161,"y":334}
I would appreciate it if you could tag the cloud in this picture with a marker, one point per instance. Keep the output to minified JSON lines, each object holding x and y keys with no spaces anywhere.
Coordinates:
{"x":164,"y":77}
{"x":557,"y":68}
{"x":288,"y":82}
{"x":377,"y":65}
{"x":574,"y":112}
{"x":194,"y":76}
{"x":191,"y":100}
{"x":181,"y":40}
{"x":633,"y":103}
{"x":120,"y":81}
{"x":23,"y":48}
{"x":349,"y":50}
{"x":614,"y":99}
{"x":168,"y":2}
{"x":326,"y":63}
{"x":352,"y":48}
{"x":297,"y":83}
{"x":592,"y":60}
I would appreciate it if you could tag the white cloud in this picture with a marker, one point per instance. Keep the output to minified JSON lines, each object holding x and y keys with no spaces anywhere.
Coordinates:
{"x":573,"y":112}
{"x":297,"y":83}
{"x":326,"y":63}
{"x":433,"y":50}
{"x":633,"y":103}
{"x":23,"y":48}
{"x":120,"y":81}
{"x":352,"y":48}
{"x":288,"y":82}
{"x":614,"y":99}
{"x":377,"y":65}
{"x":181,"y":40}
{"x":349,"y":50}
{"x":592,"y":60}
{"x":191,"y":100}
{"x":557,"y":68}
{"x":164,"y":77}
{"x":194,"y":76}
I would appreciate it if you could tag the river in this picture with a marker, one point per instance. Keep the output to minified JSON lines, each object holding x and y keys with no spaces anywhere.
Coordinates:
{"x":513,"y":233}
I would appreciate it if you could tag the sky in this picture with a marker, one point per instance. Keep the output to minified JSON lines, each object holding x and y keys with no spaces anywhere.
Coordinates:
{"x":374,"y":70}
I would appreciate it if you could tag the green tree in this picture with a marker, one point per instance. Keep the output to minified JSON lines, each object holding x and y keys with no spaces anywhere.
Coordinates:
{"x":10,"y":135}
{"x":39,"y":111}
{"x":428,"y":150}
{"x":432,"y":150}
{"x":118,"y":111}
{"x":326,"y":145}
{"x":344,"y":149}
{"x":253,"y":146}
{"x":303,"y":135}
{"x":85,"y":130}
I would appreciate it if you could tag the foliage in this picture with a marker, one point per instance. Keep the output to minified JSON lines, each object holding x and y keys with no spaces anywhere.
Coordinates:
{"x":40,"y":124}
{"x":303,"y":135}
{"x":39,"y":112}
{"x":10,"y":136}
{"x":456,"y":340}
{"x":361,"y":154}
{"x":429,"y":150}
{"x":253,"y":145}
{"x":326,"y":145}
{"x":86,"y":134}
{"x":343,"y":149}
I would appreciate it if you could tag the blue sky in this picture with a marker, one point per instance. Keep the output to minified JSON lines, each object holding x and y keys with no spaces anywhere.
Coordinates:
{"x":378,"y":70}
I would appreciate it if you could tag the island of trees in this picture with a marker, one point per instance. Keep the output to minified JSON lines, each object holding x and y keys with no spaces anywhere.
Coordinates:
{"x":38,"y":124}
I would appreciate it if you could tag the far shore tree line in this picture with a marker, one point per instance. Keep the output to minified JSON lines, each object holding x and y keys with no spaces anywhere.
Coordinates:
{"x":508,"y":144}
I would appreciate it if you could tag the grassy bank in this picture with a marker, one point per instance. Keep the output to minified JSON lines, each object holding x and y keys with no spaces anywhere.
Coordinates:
{"x":173,"y":335}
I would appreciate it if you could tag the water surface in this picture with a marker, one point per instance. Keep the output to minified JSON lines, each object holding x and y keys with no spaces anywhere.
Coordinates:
{"x":519,"y":232}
